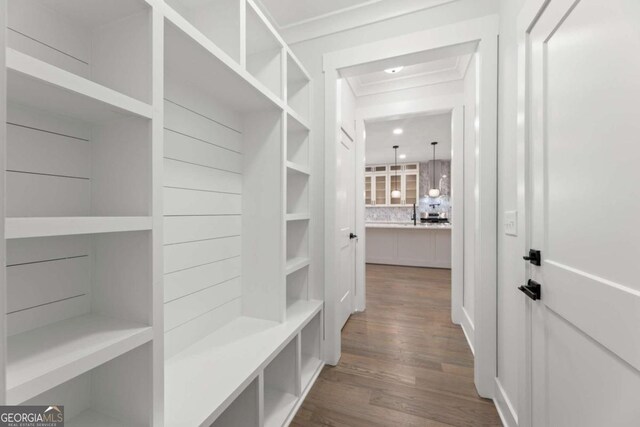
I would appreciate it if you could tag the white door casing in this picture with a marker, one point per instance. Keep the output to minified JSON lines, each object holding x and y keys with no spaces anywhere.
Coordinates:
{"x":345,"y":191}
{"x":582,"y":88}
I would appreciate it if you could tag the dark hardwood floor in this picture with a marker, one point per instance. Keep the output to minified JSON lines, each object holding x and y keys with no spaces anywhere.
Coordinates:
{"x":403,"y":362}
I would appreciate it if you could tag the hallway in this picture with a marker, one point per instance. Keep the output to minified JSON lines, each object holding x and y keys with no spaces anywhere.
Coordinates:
{"x":403,"y":362}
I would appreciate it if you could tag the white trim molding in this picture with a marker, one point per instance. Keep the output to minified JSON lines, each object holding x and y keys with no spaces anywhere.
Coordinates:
{"x":504,"y":407}
{"x":360,"y":15}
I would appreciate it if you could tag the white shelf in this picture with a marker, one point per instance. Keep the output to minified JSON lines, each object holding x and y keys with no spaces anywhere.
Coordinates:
{"x":298,"y":168}
{"x":202,"y":380}
{"x":46,"y":357}
{"x":296,"y":264}
{"x":277,"y":407}
{"x":96,"y":419}
{"x":41,"y":85}
{"x":233,"y":86}
{"x":298,"y":217}
{"x":298,"y":123}
{"x":20,"y":228}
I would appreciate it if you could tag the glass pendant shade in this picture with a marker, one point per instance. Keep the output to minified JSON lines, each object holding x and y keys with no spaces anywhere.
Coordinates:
{"x":395,"y":194}
{"x":434,"y":192}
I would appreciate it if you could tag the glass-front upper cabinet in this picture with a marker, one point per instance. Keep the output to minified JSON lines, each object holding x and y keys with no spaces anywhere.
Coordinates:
{"x":368,"y":190}
{"x":380,"y":185}
{"x":410,"y":188}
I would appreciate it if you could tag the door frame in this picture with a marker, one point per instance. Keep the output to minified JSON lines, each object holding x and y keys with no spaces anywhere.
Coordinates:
{"x":453,"y":104}
{"x":483,"y":31}
{"x":529,"y":15}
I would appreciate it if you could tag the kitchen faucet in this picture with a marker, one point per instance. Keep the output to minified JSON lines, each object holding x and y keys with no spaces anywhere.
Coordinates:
{"x":414,"y":217}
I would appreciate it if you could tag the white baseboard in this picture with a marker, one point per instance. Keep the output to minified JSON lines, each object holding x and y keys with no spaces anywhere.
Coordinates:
{"x":506,"y":411}
{"x":468,"y":329}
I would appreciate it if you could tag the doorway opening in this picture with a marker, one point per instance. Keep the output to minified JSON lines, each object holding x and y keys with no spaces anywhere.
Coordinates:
{"x":361,"y":110}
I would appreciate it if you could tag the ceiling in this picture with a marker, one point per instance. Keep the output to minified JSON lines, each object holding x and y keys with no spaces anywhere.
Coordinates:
{"x":418,"y":132}
{"x":410,"y":76}
{"x":299,"y":20}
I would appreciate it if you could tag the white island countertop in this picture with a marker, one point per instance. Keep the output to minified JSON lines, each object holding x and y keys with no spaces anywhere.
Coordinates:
{"x":408,"y":225}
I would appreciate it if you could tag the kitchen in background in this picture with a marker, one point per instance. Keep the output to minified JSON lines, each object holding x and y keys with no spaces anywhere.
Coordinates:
{"x":403,"y":167}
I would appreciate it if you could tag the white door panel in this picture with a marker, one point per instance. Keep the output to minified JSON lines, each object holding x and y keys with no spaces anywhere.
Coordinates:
{"x":585,"y":202}
{"x":346,"y":226}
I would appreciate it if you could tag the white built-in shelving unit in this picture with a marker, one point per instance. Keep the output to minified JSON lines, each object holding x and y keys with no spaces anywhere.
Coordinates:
{"x":156,"y":211}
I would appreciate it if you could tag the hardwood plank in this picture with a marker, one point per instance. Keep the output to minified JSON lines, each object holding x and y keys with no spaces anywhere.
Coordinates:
{"x":403,"y":361}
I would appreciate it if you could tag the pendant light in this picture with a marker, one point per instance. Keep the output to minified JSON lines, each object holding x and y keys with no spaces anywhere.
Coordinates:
{"x":395,"y":194}
{"x":434,"y":192}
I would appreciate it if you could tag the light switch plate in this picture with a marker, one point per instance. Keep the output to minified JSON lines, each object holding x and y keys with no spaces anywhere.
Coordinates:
{"x":511,"y":223}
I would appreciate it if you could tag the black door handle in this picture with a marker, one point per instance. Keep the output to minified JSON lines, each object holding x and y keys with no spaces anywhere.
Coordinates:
{"x":534,"y":257}
{"x":532,"y":289}
{"x":353,"y":236}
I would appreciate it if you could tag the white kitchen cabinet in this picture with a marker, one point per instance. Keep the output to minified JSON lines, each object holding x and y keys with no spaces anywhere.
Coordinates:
{"x":376,"y":190}
{"x":381,"y":180}
{"x":408,"y":245}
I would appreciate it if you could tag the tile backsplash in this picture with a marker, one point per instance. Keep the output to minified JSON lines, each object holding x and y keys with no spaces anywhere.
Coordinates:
{"x":426,"y":204}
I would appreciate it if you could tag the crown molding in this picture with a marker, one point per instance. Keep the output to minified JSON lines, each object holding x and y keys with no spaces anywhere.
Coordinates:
{"x":348,"y":18}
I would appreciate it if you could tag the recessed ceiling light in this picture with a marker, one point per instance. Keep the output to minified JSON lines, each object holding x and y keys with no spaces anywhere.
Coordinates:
{"x":393,"y":70}
{"x":397,"y":131}
{"x":403,"y":156}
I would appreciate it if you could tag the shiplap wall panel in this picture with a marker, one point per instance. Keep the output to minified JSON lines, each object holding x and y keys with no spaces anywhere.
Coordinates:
{"x":48,"y":164}
{"x":48,"y":36}
{"x":29,"y":117}
{"x":179,"y":174}
{"x":185,"y":282}
{"x":31,"y":285}
{"x":189,"y":307}
{"x":36,"y":317}
{"x":188,"y":149}
{"x":180,"y":119}
{"x":202,"y":207}
{"x":22,"y":251}
{"x":188,"y":333}
{"x":183,"y":202}
{"x":189,"y":255}
{"x":181,"y":229}
{"x":48,"y":280}
{"x":43,"y":195}
{"x":35,"y":150}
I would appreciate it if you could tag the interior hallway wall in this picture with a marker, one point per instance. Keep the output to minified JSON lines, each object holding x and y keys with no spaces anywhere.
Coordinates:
{"x":510,"y":301}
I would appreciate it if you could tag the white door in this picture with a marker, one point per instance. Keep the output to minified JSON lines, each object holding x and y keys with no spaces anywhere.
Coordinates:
{"x":346,"y":227}
{"x":584,"y":124}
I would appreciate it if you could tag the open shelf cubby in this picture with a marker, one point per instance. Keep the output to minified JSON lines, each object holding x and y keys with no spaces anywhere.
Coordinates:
{"x":116,"y":393}
{"x":73,"y":302}
{"x":297,"y":239}
{"x":281,"y":389}
{"x":297,"y":142}
{"x":218,"y":20}
{"x":310,"y":350}
{"x":297,"y":191}
{"x":264,"y":52}
{"x":107,"y":42}
{"x":244,"y":410}
{"x":298,"y":88}
{"x":297,"y":286}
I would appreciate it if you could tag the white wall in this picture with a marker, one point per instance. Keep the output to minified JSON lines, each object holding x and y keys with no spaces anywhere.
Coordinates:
{"x":510,"y":303}
{"x":311,"y":52}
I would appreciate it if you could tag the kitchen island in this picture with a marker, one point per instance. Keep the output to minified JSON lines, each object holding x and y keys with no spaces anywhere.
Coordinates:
{"x":402,"y":243}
